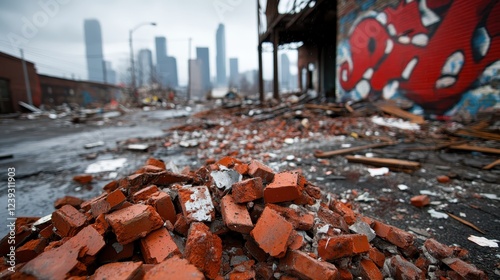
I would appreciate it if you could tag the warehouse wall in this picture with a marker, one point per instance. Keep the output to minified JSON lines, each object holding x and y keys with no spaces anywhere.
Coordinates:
{"x":444,"y":55}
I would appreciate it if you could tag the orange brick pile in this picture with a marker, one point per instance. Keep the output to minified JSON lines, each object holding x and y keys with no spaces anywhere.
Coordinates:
{"x":156,"y":224}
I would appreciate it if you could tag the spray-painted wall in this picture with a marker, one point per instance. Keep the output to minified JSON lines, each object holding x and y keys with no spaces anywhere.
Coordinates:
{"x":442,"y":54}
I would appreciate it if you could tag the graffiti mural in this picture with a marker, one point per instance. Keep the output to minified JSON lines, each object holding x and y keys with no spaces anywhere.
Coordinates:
{"x":435,"y":53}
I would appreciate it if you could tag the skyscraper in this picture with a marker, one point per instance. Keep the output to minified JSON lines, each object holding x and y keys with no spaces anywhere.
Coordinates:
{"x":221,"y":55}
{"x":93,"y":50}
{"x":145,"y":59}
{"x":233,"y":73}
{"x":202,"y":55}
{"x":110,"y":74}
{"x":196,"y":89}
{"x":285,"y":72}
{"x":166,"y":66}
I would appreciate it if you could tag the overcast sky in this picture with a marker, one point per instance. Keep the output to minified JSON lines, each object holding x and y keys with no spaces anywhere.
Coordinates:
{"x":51,"y":31}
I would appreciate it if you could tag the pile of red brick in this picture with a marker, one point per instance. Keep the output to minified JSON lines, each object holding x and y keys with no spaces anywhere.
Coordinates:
{"x":156,"y":224}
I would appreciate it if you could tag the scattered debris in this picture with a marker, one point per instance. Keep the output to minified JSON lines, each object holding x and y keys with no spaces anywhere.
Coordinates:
{"x":393,"y":164}
{"x":437,"y":215}
{"x":320,"y":154}
{"x":93,"y":145}
{"x":483,"y":241}
{"x":138,"y":147}
{"x":105,"y":165}
{"x":392,"y":122}
{"x":467,"y":223}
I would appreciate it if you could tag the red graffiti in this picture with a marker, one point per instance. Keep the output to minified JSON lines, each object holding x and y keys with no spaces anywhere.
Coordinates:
{"x":421,"y":42}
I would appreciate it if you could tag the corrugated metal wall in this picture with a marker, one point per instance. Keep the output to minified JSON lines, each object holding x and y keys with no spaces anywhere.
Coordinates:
{"x":443,"y":55}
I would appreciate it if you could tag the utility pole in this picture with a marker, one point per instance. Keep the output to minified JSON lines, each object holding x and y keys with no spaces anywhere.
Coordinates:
{"x":26,"y":79}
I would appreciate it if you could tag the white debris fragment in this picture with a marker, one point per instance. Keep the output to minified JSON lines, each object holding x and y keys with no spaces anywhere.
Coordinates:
{"x":226,"y":178}
{"x":482,"y":241}
{"x":437,"y":215}
{"x":462,"y":214}
{"x":427,"y":192}
{"x":378,"y":171}
{"x":361,"y":227}
{"x":392,"y":122}
{"x":289,"y":141}
{"x":200,"y":206}
{"x":403,"y":187}
{"x":290,"y":157}
{"x":490,"y":196}
{"x":106,"y":165}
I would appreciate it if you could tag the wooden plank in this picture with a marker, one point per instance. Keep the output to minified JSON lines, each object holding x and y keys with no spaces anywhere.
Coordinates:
{"x":395,"y":111}
{"x":472,"y":148}
{"x":385,"y":162}
{"x":491,"y":165}
{"x":350,"y":150}
{"x":478,"y":134}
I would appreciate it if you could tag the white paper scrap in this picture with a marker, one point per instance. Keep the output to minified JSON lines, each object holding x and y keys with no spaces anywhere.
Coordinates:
{"x":485,"y":242}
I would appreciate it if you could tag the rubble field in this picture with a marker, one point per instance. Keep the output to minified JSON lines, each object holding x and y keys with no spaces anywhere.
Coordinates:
{"x":296,"y":191}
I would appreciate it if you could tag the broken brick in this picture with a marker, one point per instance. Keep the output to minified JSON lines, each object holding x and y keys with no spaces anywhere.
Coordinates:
{"x":300,"y":218}
{"x":156,"y":162}
{"x":396,"y":236}
{"x":100,"y":224}
{"x":70,"y":200}
{"x":302,"y":265}
{"x":369,"y":270}
{"x":345,"y":211}
{"x":111,"y":186}
{"x":119,"y":270}
{"x":329,"y":217}
{"x":162,"y":203}
{"x":466,"y":270}
{"x":174,"y":268}
{"x":85,"y":206}
{"x":109,"y":202}
{"x":297,"y":241}
{"x":376,"y":256}
{"x":114,"y":251}
{"x":241,"y":168}
{"x":30,"y":250}
{"x":443,"y":179}
{"x":254,"y":250}
{"x":438,"y":250}
{"x":204,"y":249}
{"x":83,"y":179}
{"x":157,"y":246}
{"x":248,"y":190}
{"x":420,"y":200}
{"x":228,"y":162}
{"x":181,"y":225}
{"x":67,"y":220}
{"x":272,"y":232}
{"x":196,"y":204}
{"x":134,"y":222}
{"x":403,"y":269}
{"x":235,"y":216}
{"x":286,"y":186}
{"x":335,"y":247}
{"x":145,"y":193}
{"x":258,"y":169}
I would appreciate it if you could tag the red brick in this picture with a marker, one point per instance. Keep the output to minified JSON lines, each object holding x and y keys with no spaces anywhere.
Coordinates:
{"x":420,"y":200}
{"x":248,"y":190}
{"x":134,"y":222}
{"x":100,"y":224}
{"x":241,"y":168}
{"x":345,"y":274}
{"x":403,"y":269}
{"x":329,"y":217}
{"x":111,"y":186}
{"x":376,"y":256}
{"x":438,"y":250}
{"x":243,"y":271}
{"x":443,"y":179}
{"x":110,"y":202}
{"x":236,"y":216}
{"x":304,"y":199}
{"x":174,"y":268}
{"x":145,"y":193}
{"x":396,"y":236}
{"x":58,"y":262}
{"x":196,"y":204}
{"x":345,"y":211}
{"x":204,"y":249}
{"x":30,"y":250}
{"x":149,"y":169}
{"x":258,"y":169}
{"x":466,"y":270}
{"x":156,"y":162}
{"x":157,"y":246}
{"x":342,"y":245}
{"x":71,"y":200}
{"x":138,"y":181}
{"x":162,"y":202}
{"x":313,"y":191}
{"x":83,"y":179}
{"x":68,"y":221}
{"x":297,"y":241}
{"x":302,"y":265}
{"x":181,"y":225}
{"x":284,"y":187}
{"x":254,"y":250}
{"x":228,"y":162}
{"x":119,"y":270}
{"x":300,"y":218}
{"x":85,"y":206}
{"x":369,"y":270}
{"x":272,"y":232}
{"x":264,"y":271}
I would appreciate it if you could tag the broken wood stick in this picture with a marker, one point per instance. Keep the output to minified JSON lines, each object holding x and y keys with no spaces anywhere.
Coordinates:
{"x":472,"y":148}
{"x":491,"y":165}
{"x":385,"y":162}
{"x":319,"y":154}
{"x":435,"y":148}
{"x":467,"y":223}
{"x":395,"y":111}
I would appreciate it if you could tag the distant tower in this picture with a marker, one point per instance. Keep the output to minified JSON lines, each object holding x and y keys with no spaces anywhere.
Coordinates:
{"x":202,"y":54}
{"x":285,"y":72}
{"x":166,"y":66}
{"x":110,"y":74}
{"x":233,"y":72}
{"x":93,"y":49}
{"x":221,"y":55}
{"x":196,"y":79}
{"x":145,"y":59}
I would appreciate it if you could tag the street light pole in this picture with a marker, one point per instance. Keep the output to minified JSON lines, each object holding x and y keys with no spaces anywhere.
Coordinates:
{"x":132,"y":64}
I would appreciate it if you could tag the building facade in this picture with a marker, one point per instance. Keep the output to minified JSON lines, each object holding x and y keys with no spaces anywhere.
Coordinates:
{"x":93,"y":50}
{"x":202,"y":54}
{"x":234,"y":74}
{"x":145,"y":69}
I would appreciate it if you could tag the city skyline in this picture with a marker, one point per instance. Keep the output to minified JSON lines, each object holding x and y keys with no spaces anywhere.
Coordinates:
{"x":57,"y":45}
